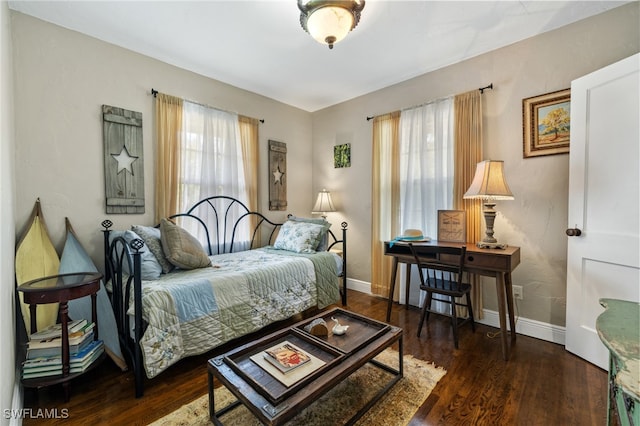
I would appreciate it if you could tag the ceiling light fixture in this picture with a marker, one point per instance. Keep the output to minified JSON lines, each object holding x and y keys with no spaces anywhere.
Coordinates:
{"x":329,"y":21}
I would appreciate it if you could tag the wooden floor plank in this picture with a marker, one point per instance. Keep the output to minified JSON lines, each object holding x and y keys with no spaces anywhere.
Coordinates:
{"x":540,"y":384}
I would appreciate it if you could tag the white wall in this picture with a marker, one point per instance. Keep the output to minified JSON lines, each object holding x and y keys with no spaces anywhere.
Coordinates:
{"x":536,"y":220}
{"x":62,"y":79}
{"x":7,"y":229}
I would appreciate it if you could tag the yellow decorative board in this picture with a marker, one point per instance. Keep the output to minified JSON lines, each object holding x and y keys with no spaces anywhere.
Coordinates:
{"x":36,"y":257}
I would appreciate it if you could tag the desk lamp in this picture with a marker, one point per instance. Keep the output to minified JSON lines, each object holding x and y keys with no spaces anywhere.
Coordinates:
{"x":489,"y":184}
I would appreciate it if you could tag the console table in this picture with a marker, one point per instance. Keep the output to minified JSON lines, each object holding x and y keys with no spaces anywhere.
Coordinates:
{"x":619,"y":329}
{"x":497,"y":263}
{"x":60,"y":289}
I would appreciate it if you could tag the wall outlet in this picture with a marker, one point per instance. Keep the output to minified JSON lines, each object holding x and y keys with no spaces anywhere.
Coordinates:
{"x":517,"y":292}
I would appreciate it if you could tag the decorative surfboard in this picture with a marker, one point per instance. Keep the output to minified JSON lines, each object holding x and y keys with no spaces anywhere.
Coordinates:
{"x":75,"y":258}
{"x":36,"y":257}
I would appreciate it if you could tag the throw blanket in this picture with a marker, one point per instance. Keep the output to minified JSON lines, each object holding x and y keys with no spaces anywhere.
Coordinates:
{"x":191,"y":312}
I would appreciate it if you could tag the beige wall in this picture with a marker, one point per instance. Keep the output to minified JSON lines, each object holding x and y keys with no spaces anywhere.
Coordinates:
{"x":7,"y":227}
{"x":536,"y":220}
{"x":63,"y":78}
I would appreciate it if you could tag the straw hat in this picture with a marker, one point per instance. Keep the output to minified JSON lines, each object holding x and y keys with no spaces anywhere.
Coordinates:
{"x":412,"y":235}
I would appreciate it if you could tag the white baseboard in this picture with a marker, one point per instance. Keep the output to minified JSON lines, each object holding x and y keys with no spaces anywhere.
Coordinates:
{"x":357,"y":285}
{"x":16,"y":403}
{"x":525,"y":326}
{"x":528,"y":327}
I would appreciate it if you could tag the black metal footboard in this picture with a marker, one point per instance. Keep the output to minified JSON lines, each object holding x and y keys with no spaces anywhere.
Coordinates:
{"x":118,"y":254}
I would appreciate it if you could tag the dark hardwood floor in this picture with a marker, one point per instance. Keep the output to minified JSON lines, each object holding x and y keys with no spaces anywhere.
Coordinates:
{"x":541,"y":384}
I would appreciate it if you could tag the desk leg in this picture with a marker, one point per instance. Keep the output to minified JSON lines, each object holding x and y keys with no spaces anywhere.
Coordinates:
{"x":407,"y":286}
{"x":509,"y":293}
{"x":392,"y":286}
{"x":500,"y":290}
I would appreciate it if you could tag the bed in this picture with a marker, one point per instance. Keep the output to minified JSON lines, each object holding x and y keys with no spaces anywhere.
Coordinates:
{"x":213,"y":274}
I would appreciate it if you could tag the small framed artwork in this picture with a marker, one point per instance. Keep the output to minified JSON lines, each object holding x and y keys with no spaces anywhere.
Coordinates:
{"x":342,"y":155}
{"x":452,"y":226}
{"x":546,"y":124}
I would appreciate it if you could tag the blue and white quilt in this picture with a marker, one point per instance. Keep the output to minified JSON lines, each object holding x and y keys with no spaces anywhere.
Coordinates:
{"x":189,"y":312}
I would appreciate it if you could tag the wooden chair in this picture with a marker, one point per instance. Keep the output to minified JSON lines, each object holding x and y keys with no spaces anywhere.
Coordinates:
{"x":441,"y":273}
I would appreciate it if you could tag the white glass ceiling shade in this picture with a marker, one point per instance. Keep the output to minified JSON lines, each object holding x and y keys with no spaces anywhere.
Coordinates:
{"x":329,"y":21}
{"x":329,"y":25}
{"x":324,"y":204}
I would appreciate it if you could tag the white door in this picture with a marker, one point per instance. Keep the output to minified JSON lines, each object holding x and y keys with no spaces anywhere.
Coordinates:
{"x":604,"y":179}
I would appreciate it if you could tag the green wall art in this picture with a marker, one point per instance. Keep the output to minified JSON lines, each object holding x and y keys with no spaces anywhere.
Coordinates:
{"x":342,"y":155}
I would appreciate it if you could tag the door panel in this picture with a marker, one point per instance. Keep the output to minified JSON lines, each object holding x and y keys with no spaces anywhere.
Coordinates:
{"x":604,"y":200}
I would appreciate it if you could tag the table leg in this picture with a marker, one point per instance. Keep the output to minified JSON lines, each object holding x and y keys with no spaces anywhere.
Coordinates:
{"x":94,"y":314}
{"x":392,"y":286}
{"x":500,"y":290}
{"x":407,"y":286}
{"x":509,"y":294}
{"x":32,"y":315}
{"x":64,"y":315}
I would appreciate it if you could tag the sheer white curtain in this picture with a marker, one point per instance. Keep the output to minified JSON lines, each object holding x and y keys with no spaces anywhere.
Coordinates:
{"x":211,"y":164}
{"x":426,"y":168}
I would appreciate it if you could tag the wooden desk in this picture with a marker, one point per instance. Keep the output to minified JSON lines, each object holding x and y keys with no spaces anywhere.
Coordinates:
{"x":495,"y":263}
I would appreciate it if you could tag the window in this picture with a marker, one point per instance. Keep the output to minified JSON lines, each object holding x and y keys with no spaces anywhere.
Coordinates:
{"x":426,"y":164}
{"x":211,"y":163}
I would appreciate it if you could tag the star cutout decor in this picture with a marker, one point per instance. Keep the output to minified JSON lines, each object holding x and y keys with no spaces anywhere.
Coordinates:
{"x":277,"y":175}
{"x":124,"y":160}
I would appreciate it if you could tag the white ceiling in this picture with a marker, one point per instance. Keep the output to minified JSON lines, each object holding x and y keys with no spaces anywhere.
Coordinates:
{"x":259,"y":45}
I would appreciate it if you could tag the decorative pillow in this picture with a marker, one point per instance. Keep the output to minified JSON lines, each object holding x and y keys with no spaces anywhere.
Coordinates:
{"x":323,"y":241}
{"x":181,"y":248}
{"x":299,"y":237}
{"x":151,"y":238}
{"x":150,"y":269}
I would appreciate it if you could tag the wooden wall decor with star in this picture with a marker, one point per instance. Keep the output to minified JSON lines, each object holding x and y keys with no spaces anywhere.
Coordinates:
{"x":277,"y":175}
{"x":123,"y":160}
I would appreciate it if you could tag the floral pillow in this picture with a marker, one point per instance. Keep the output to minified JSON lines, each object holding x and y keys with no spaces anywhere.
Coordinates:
{"x":323,"y":238}
{"x":151,"y":238}
{"x":299,"y":237}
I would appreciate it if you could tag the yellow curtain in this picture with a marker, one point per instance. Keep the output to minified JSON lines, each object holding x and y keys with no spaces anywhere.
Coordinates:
{"x":250,"y":158}
{"x":168,"y":131}
{"x":468,"y":152}
{"x":385,"y":198}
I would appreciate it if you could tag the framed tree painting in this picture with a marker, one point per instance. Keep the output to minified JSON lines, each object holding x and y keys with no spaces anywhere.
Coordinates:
{"x":546,"y":124}
{"x":452,"y":226}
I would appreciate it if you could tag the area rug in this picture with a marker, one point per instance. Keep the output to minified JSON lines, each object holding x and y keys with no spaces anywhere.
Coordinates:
{"x":397,"y":407}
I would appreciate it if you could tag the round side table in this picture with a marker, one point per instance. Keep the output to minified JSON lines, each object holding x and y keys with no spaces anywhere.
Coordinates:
{"x":61,"y":288}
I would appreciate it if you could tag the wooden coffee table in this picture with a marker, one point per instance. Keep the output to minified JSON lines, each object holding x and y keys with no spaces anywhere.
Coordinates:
{"x":274,"y":402}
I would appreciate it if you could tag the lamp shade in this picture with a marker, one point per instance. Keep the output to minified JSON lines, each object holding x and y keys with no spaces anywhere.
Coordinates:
{"x":489,"y":182}
{"x":324,"y":204}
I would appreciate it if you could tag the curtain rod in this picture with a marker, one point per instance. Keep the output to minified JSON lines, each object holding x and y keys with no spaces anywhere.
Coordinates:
{"x":154,"y":92}
{"x":481,"y":89}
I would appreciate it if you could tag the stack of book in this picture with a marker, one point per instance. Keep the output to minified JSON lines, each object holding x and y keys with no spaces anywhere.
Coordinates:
{"x":44,"y":350}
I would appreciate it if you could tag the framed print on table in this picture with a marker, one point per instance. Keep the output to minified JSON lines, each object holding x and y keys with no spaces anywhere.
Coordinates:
{"x":546,"y":124}
{"x":452,"y":226}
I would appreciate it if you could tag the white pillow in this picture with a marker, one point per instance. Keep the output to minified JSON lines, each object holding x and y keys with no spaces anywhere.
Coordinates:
{"x":299,"y":237}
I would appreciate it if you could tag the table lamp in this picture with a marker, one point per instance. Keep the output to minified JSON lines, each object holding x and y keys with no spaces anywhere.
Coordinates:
{"x":489,"y":185}
{"x":324,"y":204}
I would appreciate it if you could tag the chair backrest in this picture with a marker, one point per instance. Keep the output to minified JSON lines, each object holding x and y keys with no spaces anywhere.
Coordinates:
{"x":440,"y":267}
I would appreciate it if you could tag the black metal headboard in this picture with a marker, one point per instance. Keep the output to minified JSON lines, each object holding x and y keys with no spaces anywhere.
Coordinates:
{"x":220,"y":218}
